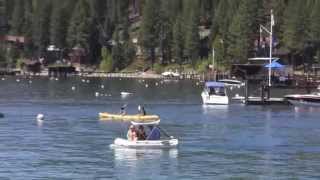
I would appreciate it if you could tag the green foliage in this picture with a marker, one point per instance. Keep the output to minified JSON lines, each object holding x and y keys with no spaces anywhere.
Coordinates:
{"x":41,"y":25}
{"x":19,"y":63}
{"x":295,"y":25}
{"x":178,"y":41}
{"x":3,"y":17}
{"x":315,"y":22}
{"x":80,"y":24}
{"x":242,"y":30}
{"x":2,"y":58}
{"x":106,"y":62}
{"x":202,"y":66}
{"x":149,"y":32}
{"x":192,"y":39}
{"x":220,"y":51}
{"x":59,"y":20}
{"x":158,"y":68}
{"x":17,"y":18}
{"x":167,"y":31}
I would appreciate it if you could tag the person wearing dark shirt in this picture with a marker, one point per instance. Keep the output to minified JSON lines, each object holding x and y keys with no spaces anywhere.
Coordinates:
{"x":141,"y":133}
{"x":154,"y":133}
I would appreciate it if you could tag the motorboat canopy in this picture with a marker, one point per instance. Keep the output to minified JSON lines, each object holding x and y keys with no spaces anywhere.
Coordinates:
{"x":214,"y":84}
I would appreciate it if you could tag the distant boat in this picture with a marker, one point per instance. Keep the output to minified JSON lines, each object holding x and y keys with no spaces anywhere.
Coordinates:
{"x":125,"y":94}
{"x":215,"y":93}
{"x":128,"y":117}
{"x":312,"y":99}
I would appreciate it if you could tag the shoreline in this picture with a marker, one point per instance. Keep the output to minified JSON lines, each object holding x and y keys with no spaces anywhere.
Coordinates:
{"x":136,"y":75}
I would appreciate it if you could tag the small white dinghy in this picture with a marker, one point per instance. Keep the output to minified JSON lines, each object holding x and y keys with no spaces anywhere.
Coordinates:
{"x":165,"y":142}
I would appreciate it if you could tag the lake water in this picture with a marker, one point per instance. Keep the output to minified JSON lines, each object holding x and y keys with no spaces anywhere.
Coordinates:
{"x":216,"y":142}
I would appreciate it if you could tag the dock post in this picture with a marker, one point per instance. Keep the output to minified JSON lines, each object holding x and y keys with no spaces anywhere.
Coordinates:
{"x":268,"y":88}
{"x":262,"y":93}
{"x":246,"y":93}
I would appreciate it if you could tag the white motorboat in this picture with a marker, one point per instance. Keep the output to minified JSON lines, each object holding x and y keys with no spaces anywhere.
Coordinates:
{"x":165,"y":142}
{"x":214,"y":93}
{"x":304,"y":99}
{"x":123,"y":93}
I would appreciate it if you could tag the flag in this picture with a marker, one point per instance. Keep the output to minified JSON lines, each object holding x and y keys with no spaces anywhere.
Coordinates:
{"x":272,"y":18}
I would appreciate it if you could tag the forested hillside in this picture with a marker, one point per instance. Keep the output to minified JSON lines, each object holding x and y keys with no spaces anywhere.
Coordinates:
{"x":115,"y":33}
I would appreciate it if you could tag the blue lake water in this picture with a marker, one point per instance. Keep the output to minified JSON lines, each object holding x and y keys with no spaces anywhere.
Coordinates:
{"x":216,"y":142}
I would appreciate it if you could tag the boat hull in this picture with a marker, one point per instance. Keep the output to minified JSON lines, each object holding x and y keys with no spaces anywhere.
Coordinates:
{"x":136,"y":117}
{"x":308,"y":100}
{"x":214,"y":99}
{"x":171,"y":143}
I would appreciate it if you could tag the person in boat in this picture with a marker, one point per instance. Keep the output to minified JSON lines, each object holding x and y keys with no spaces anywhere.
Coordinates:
{"x":141,"y":133}
{"x":132,"y":134}
{"x":141,"y":110}
{"x":154,"y":133}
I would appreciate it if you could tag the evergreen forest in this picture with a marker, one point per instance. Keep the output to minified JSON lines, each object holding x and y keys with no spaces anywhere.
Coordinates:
{"x":118,"y":35}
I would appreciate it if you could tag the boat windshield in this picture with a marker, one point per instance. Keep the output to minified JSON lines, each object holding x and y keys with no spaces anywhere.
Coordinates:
{"x":216,"y":91}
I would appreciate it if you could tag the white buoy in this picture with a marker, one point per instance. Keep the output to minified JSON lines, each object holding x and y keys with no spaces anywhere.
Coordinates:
{"x":97,"y":94}
{"x":30,"y":82}
{"x":73,"y":88}
{"x":157,"y":83}
{"x":83,"y":80}
{"x":197,"y":83}
{"x":40,"y":117}
{"x":102,"y":86}
{"x":57,"y":79}
{"x":88,"y":81}
{"x":147,"y":85}
{"x":3,"y":79}
{"x":18,"y":80}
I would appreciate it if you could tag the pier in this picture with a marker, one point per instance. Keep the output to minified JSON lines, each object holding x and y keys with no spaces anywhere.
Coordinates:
{"x":265,"y":96}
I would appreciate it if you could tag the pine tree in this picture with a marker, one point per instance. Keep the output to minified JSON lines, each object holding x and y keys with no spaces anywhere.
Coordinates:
{"x":3,"y":17}
{"x":242,"y":31}
{"x":41,"y":25}
{"x":165,"y":32}
{"x":28,"y":29}
{"x":80,"y":25}
{"x":58,"y":30}
{"x":178,"y":41}
{"x":128,"y":47}
{"x":192,"y":39}
{"x":314,"y":33}
{"x":315,"y":22}
{"x":149,"y":33}
{"x":278,"y":7}
{"x":17,"y":18}
{"x":117,"y":55}
{"x":295,"y":25}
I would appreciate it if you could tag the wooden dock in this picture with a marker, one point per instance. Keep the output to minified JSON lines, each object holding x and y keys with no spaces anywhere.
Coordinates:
{"x":271,"y":101}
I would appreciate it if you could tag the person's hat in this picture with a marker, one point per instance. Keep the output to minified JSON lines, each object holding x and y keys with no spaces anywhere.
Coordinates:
{"x":132,"y":126}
